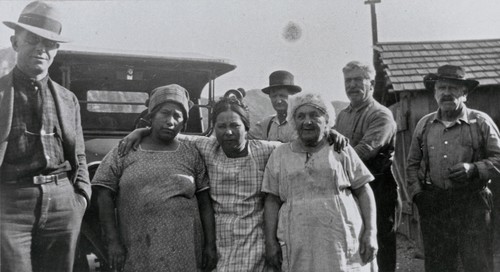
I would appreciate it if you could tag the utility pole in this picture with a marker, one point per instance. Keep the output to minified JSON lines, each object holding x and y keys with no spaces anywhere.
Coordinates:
{"x":378,"y":92}
{"x":374,"y":19}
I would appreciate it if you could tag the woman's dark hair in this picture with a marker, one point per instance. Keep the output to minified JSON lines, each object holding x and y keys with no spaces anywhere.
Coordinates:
{"x":233,"y":104}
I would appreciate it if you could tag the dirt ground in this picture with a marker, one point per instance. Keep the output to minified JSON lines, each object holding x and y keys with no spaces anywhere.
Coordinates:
{"x":409,"y":259}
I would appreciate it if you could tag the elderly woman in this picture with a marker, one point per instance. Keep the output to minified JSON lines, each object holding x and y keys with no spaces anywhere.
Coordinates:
{"x":312,"y":218}
{"x":160,"y":192}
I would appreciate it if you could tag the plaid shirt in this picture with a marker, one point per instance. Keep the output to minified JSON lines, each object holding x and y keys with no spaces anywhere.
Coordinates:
{"x":35,"y":145}
{"x":235,"y":188}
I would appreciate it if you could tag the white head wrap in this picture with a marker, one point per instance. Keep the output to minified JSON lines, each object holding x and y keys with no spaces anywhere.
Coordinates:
{"x":314,"y":100}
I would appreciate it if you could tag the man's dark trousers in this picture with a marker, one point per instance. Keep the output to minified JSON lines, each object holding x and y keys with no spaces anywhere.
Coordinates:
{"x":456,"y":225}
{"x":385,"y":190}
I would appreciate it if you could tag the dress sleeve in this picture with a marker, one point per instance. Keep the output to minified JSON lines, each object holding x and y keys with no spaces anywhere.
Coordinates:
{"x":270,"y":183}
{"x":356,"y":170}
{"x":201,"y":176}
{"x":110,"y":171}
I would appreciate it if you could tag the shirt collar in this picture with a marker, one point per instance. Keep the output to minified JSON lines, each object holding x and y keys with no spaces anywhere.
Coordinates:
{"x":363,"y":105}
{"x":25,"y":81}
{"x":462,"y":117}
{"x":277,"y":121}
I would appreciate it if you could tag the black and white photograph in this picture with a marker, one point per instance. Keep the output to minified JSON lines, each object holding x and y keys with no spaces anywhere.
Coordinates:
{"x":284,"y":135}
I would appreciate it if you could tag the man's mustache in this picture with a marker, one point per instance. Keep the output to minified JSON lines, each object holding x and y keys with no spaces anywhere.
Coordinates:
{"x":353,"y":90}
{"x":446,"y":98}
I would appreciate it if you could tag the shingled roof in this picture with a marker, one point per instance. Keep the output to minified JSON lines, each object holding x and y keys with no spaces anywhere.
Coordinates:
{"x":406,"y":63}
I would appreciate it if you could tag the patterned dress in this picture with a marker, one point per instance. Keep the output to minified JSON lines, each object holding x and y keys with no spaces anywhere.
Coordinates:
{"x":157,"y":206}
{"x":319,"y":223}
{"x":235,"y":189}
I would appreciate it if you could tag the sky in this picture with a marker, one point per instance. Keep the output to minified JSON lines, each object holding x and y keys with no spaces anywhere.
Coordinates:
{"x":322,"y":35}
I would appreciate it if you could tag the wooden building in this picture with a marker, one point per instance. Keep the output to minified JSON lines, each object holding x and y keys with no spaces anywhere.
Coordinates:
{"x":401,"y":67}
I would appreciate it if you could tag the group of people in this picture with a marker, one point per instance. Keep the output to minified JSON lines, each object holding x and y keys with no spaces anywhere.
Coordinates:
{"x":287,"y":195}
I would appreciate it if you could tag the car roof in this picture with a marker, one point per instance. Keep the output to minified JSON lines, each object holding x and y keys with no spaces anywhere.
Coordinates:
{"x":181,"y":60}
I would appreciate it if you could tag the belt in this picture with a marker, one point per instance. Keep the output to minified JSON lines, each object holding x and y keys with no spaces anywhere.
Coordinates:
{"x":40,"y":179}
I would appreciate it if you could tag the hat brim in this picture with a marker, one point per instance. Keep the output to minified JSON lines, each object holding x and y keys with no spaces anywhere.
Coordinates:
{"x":292,"y":89}
{"x":430,"y":81}
{"x":49,"y":35}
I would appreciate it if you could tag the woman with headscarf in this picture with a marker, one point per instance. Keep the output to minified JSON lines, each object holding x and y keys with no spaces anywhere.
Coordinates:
{"x":160,"y":192}
{"x":235,"y":166}
{"x":319,"y":209}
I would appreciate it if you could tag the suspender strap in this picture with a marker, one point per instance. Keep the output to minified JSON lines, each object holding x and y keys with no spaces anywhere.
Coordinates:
{"x":476,"y":138}
{"x":425,"y":151}
{"x":269,"y":127}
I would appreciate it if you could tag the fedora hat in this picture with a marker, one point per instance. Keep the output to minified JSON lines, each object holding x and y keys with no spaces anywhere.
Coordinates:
{"x":282,"y":79}
{"x":449,"y":72}
{"x":42,"y":19}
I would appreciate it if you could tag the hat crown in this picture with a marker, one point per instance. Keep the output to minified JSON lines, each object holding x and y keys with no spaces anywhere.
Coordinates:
{"x":281,"y":78}
{"x":451,"y":71}
{"x":41,"y":15}
{"x":41,"y":19}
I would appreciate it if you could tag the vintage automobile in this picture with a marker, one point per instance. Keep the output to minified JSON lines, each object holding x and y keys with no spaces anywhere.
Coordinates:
{"x":112,"y":88}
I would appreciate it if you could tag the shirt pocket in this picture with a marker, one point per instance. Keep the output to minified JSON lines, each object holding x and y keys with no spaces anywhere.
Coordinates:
{"x":21,"y":143}
{"x":17,"y":132}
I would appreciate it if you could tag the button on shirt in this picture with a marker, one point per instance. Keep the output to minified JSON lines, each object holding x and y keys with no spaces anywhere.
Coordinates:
{"x":448,"y":146}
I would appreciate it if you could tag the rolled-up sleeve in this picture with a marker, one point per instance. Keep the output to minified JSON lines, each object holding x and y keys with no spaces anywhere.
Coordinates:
{"x":489,"y":167}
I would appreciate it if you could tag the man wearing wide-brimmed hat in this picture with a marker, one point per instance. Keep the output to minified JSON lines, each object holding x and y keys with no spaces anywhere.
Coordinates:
{"x":44,"y":182}
{"x":276,"y":127}
{"x":454,"y":153}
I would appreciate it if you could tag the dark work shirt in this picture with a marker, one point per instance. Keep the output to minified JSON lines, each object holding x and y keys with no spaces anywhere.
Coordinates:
{"x":35,"y":145}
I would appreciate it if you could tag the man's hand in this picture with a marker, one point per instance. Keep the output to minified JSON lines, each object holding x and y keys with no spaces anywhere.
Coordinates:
{"x":209,"y":258}
{"x":116,"y":255}
{"x":368,"y":246}
{"x":339,"y":141}
{"x":461,"y":173}
{"x":273,"y":254}
{"x":81,"y":195}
